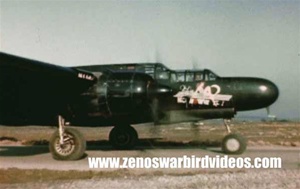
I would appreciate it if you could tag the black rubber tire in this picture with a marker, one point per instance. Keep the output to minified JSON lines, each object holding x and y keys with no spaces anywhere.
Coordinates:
{"x":74,"y":145}
{"x":238,"y":144}
{"x":123,"y":138}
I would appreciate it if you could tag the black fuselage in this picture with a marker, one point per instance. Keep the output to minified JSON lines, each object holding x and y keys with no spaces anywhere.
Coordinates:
{"x":128,"y":94}
{"x":34,"y":92}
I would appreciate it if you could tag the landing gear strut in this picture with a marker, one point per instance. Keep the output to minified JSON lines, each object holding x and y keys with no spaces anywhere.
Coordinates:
{"x":123,"y":137}
{"x":233,"y":143}
{"x":227,"y":125}
{"x":66,"y":143}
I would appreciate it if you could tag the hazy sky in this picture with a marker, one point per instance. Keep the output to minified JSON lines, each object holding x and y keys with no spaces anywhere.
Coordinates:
{"x":233,"y":38}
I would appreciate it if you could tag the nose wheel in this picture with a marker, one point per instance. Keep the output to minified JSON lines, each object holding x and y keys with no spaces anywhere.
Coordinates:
{"x":233,"y":143}
{"x":66,"y":143}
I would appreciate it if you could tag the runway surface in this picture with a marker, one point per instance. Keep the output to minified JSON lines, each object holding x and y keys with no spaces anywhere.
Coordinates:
{"x":38,"y":157}
{"x":41,"y":171}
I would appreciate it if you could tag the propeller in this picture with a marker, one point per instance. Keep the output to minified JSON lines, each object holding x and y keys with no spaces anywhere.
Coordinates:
{"x":157,"y":56}
{"x":155,"y":111}
{"x":157,"y":93}
{"x":195,"y":63}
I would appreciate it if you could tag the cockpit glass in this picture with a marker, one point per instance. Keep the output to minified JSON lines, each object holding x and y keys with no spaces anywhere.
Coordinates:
{"x":189,"y":77}
{"x":173,"y":77}
{"x":180,"y":77}
{"x":212,"y":76}
{"x":198,"y":76}
{"x":162,"y":73}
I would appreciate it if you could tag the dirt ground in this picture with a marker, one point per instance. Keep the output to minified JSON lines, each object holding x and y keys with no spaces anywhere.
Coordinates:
{"x":286,"y":134}
{"x":285,"y":179}
{"x":202,"y":133}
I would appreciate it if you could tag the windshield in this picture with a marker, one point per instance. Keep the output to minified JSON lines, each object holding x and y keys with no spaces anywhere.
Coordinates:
{"x":162,"y":73}
{"x":211,"y":75}
{"x":187,"y":76}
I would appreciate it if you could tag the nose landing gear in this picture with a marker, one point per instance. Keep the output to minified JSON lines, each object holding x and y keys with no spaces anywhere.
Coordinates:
{"x":66,"y":143}
{"x":233,"y":143}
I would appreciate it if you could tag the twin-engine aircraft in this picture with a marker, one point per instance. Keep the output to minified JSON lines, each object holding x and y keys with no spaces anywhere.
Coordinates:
{"x":119,"y":95}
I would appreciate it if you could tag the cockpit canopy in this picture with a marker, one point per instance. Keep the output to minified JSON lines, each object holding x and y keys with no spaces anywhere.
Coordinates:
{"x":159,"y":72}
{"x":162,"y":73}
{"x":193,"y":75}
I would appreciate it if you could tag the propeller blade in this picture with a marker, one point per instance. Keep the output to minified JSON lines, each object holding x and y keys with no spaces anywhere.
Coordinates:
{"x":157,"y":56}
{"x":155,"y":111}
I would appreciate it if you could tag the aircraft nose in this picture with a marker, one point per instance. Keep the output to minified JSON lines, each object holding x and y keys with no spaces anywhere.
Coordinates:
{"x":255,"y":93}
{"x":268,"y":91}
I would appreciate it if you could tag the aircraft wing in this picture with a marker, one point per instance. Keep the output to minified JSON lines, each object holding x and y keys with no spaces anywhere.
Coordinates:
{"x":32,"y":87}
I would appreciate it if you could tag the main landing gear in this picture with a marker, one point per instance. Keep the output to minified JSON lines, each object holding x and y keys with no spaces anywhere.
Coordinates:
{"x":66,"y":143}
{"x":69,"y":144}
{"x":233,"y":143}
{"x":123,"y":137}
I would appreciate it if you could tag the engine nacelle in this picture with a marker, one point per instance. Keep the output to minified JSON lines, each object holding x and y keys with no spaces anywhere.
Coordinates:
{"x":115,"y":93}
{"x":125,"y":92}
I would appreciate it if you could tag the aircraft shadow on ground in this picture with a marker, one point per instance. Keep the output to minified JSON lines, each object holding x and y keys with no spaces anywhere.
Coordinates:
{"x":15,"y":151}
{"x":41,"y":147}
{"x":156,"y":143}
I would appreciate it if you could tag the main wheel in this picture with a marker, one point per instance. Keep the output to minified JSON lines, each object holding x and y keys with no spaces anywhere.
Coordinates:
{"x":73,"y":148}
{"x":234,"y":144}
{"x":123,"y":138}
